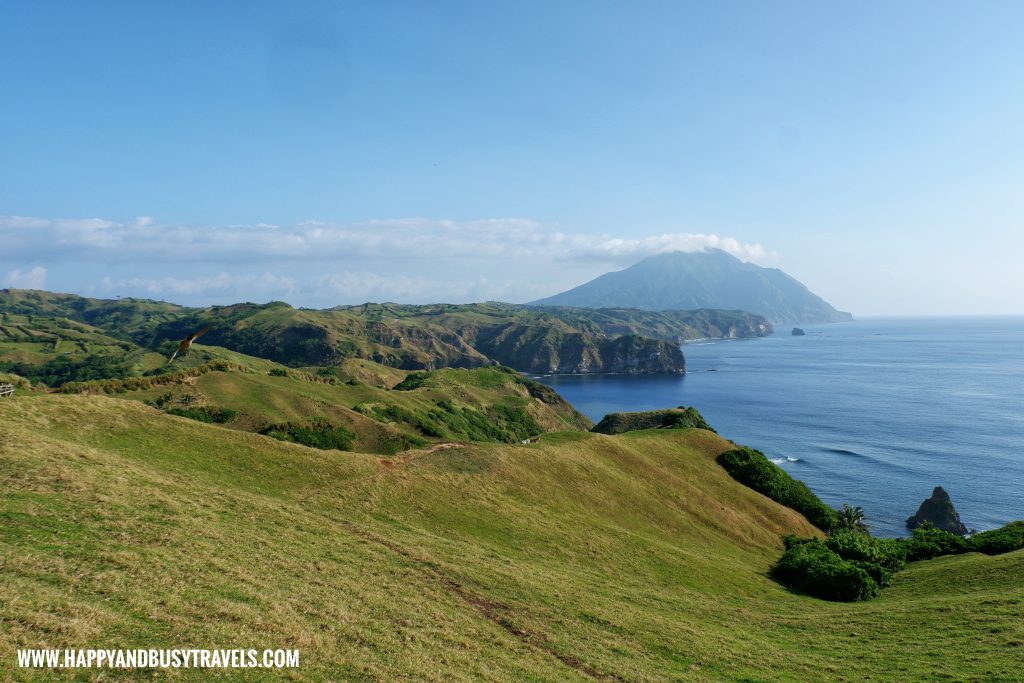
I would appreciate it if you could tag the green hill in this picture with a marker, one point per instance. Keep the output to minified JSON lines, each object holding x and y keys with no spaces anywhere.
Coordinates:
{"x":579,"y":557}
{"x":529,"y":339}
{"x":672,"y":418}
{"x":385,"y":410}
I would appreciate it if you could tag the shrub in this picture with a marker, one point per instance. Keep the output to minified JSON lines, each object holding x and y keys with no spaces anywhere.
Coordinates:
{"x":879,"y":557}
{"x":751,"y":468}
{"x":278,"y":372}
{"x":317,"y":434}
{"x":514,"y":422}
{"x":891,"y":553}
{"x":503,"y":423}
{"x":413,"y":380}
{"x":208,"y":414}
{"x":161,"y":401}
{"x":928,"y":541}
{"x":812,"y":567}
{"x":997,"y":541}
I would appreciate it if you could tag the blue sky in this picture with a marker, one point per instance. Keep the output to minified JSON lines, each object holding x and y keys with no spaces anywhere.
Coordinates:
{"x":334,"y":152}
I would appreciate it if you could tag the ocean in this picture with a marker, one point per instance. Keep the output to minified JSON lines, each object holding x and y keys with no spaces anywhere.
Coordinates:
{"x":874,"y":413}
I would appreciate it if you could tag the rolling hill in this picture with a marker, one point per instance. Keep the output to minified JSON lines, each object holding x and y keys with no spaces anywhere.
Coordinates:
{"x":580,"y":557}
{"x":528,"y":339}
{"x":383,"y":410}
{"x":705,"y":279}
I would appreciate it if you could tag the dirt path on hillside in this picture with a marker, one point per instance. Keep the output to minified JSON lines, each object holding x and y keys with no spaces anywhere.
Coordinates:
{"x":405,"y":457}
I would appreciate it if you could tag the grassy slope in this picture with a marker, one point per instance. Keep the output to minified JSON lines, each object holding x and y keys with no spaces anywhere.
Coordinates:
{"x":261,"y":399}
{"x":40,"y":340}
{"x":584,"y":556}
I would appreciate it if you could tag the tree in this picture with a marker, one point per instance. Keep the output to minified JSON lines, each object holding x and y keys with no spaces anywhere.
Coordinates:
{"x":852,"y":519}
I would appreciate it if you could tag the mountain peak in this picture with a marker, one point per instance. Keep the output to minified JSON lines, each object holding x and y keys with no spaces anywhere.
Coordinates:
{"x":712,"y":278}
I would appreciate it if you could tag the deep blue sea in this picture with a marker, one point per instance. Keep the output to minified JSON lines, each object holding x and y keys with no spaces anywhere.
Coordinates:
{"x":875,"y":413}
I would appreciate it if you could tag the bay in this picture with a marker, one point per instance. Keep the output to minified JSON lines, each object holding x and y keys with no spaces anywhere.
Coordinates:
{"x":874,"y":413}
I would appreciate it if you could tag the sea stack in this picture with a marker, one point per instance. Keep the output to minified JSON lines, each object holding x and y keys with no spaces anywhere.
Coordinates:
{"x":939,"y":511}
{"x":797,"y":332}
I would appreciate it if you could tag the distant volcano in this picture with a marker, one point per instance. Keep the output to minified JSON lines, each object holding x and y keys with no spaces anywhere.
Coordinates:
{"x":704,"y":279}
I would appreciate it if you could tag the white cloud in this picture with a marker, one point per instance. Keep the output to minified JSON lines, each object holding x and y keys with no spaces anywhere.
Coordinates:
{"x":408,"y":239}
{"x":30,"y":279}
{"x":317,"y":263}
{"x":204,"y":286}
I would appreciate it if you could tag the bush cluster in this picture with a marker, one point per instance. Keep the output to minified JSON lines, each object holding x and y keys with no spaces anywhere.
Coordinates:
{"x":835,"y":568}
{"x":927,"y":541}
{"x":63,"y":369}
{"x":208,"y":414}
{"x":316,"y":434}
{"x":814,"y":568}
{"x":998,"y":541}
{"x":845,"y":567}
{"x":751,"y":468}
{"x":502,"y":422}
{"x":879,"y":557}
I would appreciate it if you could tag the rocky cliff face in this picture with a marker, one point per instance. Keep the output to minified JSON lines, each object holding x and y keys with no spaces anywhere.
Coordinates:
{"x":546,"y":349}
{"x":540,"y":344}
{"x":939,"y":512}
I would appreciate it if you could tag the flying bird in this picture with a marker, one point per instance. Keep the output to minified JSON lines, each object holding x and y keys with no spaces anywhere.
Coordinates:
{"x":186,"y":343}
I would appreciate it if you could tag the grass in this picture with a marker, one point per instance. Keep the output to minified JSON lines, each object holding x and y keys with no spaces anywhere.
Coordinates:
{"x":444,"y":405}
{"x":579,"y":557}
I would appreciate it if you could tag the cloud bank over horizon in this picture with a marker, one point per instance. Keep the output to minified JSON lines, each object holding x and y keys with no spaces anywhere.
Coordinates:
{"x":318,"y":263}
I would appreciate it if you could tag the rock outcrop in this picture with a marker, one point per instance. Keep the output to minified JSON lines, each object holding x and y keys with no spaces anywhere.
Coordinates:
{"x":939,"y":512}
{"x":797,"y":332}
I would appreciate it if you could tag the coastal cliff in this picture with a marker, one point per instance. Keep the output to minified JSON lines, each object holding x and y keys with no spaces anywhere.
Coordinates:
{"x":536,"y":339}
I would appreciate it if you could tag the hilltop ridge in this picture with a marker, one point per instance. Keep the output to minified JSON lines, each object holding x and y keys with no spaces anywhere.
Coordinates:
{"x":33,"y":325}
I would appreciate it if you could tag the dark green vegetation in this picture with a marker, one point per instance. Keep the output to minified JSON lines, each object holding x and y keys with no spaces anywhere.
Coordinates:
{"x":752,"y":468}
{"x":846,"y":566}
{"x":851,"y":565}
{"x":812,"y":567}
{"x":708,"y":279}
{"x":580,"y":557}
{"x":210,"y":414}
{"x":928,"y":542}
{"x":317,"y":434}
{"x":55,"y":337}
{"x":673,"y":418}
